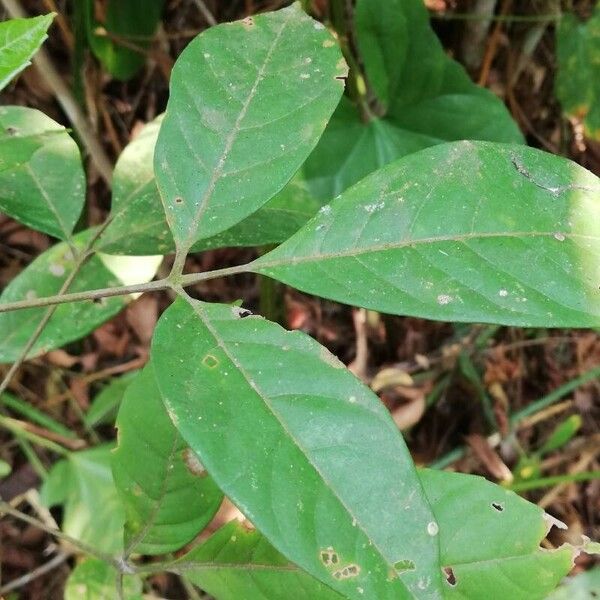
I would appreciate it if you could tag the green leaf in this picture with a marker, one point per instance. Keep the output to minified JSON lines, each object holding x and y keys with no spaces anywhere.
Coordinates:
{"x":71,"y":321}
{"x":301,"y":456}
{"x":139,"y":225}
{"x":42,"y":183}
{"x":425,"y":98}
{"x":467,"y":231}
{"x":249,"y":100}
{"x":584,"y":586}
{"x":83,"y":484}
{"x":238,"y":562}
{"x":19,"y":41}
{"x":167,"y":494}
{"x":490,"y":540}
{"x":578,"y":72}
{"x":562,"y":434}
{"x":106,"y":403}
{"x":93,"y":579}
{"x":122,"y":40}
{"x":5,"y":468}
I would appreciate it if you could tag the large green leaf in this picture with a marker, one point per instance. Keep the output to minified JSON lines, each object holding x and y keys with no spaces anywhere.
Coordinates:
{"x":138,"y":224}
{"x":249,"y":100}
{"x":93,"y":579}
{"x":83,"y":484}
{"x":238,"y":562}
{"x":578,"y":73}
{"x":71,"y":321}
{"x":300,"y":455}
{"x":42,"y":182}
{"x":467,"y":231}
{"x":19,"y":41}
{"x":167,"y":494}
{"x":490,"y":540}
{"x":425,"y":98}
{"x":123,"y":37}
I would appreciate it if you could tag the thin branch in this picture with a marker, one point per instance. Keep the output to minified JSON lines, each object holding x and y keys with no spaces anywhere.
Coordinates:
{"x":58,"y":560}
{"x":64,"y":97}
{"x":6,"y":508}
{"x":152,"y":286}
{"x":208,"y":16}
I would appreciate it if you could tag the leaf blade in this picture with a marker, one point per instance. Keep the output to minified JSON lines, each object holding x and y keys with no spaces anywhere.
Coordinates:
{"x":512,"y":207}
{"x":245,"y":128}
{"x":312,"y":464}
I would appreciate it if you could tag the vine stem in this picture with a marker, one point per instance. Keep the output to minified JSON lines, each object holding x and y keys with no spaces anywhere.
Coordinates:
{"x":151,"y":286}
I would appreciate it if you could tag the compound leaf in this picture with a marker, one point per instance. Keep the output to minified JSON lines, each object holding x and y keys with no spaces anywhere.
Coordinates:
{"x":70,"y":321}
{"x":425,"y":98}
{"x":238,"y":562}
{"x":299,"y":455}
{"x":249,"y":100}
{"x":139,"y":226}
{"x":578,"y":73}
{"x":83,"y":484}
{"x":19,"y":41}
{"x":467,"y":231}
{"x":490,"y":540}
{"x":42,"y":183}
{"x":167,"y":494}
{"x":93,"y":579}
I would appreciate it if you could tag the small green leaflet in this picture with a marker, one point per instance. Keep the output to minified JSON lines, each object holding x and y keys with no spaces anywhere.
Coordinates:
{"x":249,"y":100}
{"x":423,"y":98}
{"x":83,"y":485}
{"x":301,"y":456}
{"x":42,"y":183}
{"x":70,"y":321}
{"x":19,"y":41}
{"x":138,"y":224}
{"x":466,"y":231}
{"x":167,"y":494}
{"x":106,"y":402}
{"x":578,"y":73}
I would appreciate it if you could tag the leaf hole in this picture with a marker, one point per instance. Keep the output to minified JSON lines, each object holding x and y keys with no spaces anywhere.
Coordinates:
{"x":210,"y":361}
{"x":404,"y":565}
{"x":450,"y":577}
{"x":178,"y":200}
{"x":347,"y":572}
{"x":499,"y":506}
{"x":12,"y":130}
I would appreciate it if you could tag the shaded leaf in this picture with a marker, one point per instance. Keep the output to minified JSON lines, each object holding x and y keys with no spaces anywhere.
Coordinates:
{"x":122,"y":39}
{"x":490,"y":540}
{"x":93,"y":579}
{"x":42,"y":183}
{"x":139,"y":226}
{"x":238,"y":562}
{"x":425,"y":98}
{"x":468,"y":231}
{"x":106,"y":403}
{"x":249,"y":100}
{"x":299,"y":455}
{"x":578,"y":73}
{"x":19,"y":41}
{"x":167,"y":494}
{"x":71,"y":321}
{"x":584,"y":586}
{"x":83,"y":485}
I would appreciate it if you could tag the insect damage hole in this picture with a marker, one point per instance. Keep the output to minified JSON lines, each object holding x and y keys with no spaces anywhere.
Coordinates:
{"x":449,"y":575}
{"x":178,"y":200}
{"x":210,"y":361}
{"x":499,"y":506}
{"x":347,"y":572}
{"x":329,"y":557}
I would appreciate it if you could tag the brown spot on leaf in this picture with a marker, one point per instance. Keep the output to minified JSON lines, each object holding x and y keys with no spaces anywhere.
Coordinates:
{"x":192,"y":462}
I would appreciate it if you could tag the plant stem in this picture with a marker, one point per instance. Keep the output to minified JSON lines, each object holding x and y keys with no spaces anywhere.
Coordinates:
{"x":151,"y":286}
{"x":525,"y":486}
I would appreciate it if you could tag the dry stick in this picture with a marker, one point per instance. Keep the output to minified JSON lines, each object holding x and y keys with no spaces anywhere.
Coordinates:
{"x":65,"y":99}
{"x":58,"y":560}
{"x":205,"y":12}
